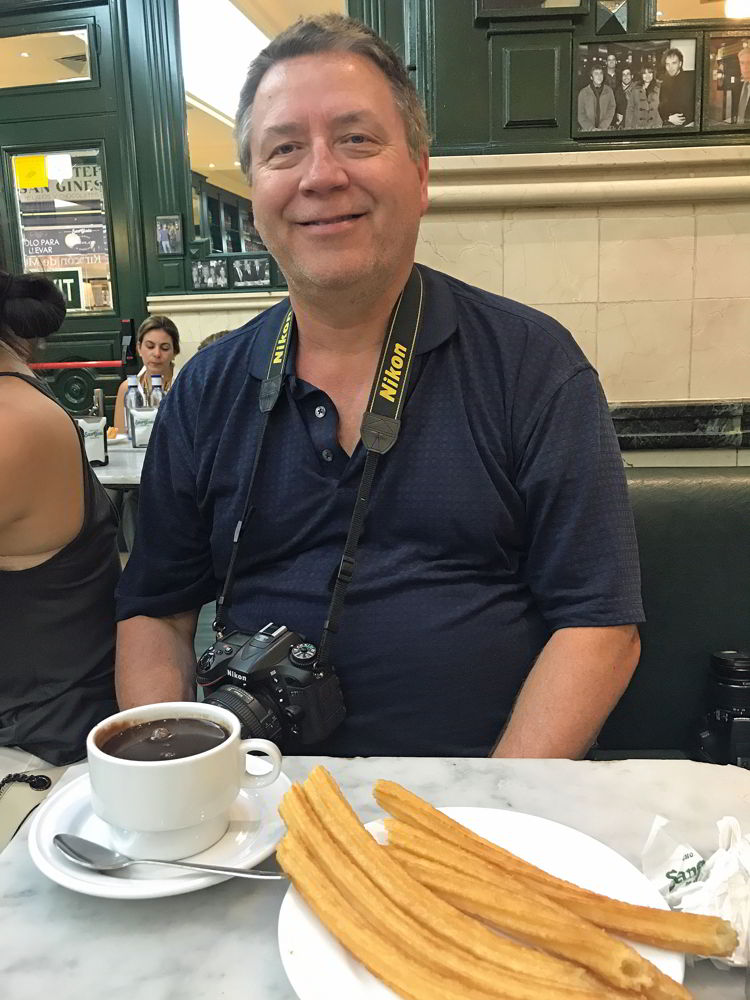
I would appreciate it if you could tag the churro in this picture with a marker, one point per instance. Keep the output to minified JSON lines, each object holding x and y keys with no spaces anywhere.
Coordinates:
{"x":395,"y":922}
{"x":445,"y":921}
{"x":392,"y":965}
{"x":534,"y":919}
{"x":700,"y":935}
{"x":480,"y":899}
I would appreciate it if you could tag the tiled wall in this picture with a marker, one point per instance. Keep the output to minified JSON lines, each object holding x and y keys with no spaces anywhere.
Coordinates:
{"x":658,"y":296}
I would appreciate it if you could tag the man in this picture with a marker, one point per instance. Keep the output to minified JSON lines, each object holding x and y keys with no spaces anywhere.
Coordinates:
{"x":498,"y":552}
{"x":596,"y":104}
{"x":743,"y":107}
{"x":610,"y":72}
{"x":677,"y":94}
{"x":622,"y":96}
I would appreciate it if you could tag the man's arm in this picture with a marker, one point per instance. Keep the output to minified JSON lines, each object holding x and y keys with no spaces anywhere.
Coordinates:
{"x":155,"y":659}
{"x":585,"y":121}
{"x":574,"y":685}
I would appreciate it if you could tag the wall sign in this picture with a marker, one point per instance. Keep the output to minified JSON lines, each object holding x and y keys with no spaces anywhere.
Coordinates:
{"x":70,"y":284}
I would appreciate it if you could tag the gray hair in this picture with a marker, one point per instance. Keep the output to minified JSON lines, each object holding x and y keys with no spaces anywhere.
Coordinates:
{"x":333,"y":33}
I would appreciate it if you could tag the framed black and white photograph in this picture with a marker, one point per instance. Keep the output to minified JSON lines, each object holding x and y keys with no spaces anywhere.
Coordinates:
{"x":726,"y":102}
{"x":496,"y":10}
{"x":210,"y":274}
{"x":251,"y":271}
{"x":169,"y":235}
{"x":634,"y":86}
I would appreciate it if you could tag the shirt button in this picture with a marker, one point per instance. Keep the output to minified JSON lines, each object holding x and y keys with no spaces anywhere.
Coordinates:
{"x":327,"y":455}
{"x":320,"y":411}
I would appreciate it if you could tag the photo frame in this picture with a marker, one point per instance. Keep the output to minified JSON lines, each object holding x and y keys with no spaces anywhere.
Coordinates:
{"x":169,"y":241}
{"x":210,"y":275}
{"x":250,"y":270}
{"x":726,"y":97}
{"x":695,"y":13}
{"x":498,"y":10}
{"x":635,"y":86}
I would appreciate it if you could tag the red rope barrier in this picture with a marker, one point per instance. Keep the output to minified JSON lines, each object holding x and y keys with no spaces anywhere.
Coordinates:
{"x":39,"y":365}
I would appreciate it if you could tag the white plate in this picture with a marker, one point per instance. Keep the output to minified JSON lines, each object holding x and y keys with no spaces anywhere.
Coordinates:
{"x":254,"y":831}
{"x":120,"y":439}
{"x":318,"y":967}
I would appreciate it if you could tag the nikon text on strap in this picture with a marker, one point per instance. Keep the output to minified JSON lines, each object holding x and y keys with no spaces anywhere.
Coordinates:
{"x":379,"y":430}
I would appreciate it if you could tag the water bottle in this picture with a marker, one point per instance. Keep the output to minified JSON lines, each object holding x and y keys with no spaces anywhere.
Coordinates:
{"x":157,"y":393}
{"x":133,"y":400}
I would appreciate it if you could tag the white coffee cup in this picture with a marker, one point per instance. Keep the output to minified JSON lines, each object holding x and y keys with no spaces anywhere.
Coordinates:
{"x":170,"y":809}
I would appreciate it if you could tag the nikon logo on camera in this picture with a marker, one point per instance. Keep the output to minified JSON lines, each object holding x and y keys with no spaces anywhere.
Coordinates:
{"x":392,"y":376}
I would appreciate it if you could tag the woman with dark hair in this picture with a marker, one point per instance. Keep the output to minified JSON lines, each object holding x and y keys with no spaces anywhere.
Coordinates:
{"x":58,"y":557}
{"x":643,"y":105}
{"x":157,"y":344}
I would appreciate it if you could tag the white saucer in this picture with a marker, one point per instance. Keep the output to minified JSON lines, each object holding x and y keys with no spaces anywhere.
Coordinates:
{"x":255,"y":829}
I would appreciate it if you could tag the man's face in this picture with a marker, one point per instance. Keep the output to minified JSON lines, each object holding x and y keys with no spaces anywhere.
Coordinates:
{"x":611,"y":64}
{"x":597,"y":77}
{"x":336,"y":195}
{"x":672,"y":65}
{"x":627,"y":78}
{"x":744,"y":58}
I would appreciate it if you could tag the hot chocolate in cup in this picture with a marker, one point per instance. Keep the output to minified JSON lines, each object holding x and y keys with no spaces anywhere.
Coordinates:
{"x":164,"y":776}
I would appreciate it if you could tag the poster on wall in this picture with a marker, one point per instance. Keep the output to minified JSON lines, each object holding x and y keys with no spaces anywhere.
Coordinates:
{"x":636,"y":85}
{"x":726,"y":103}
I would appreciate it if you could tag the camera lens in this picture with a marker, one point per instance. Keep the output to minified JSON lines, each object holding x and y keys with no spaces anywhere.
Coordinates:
{"x":730,"y":681}
{"x":257,"y":719}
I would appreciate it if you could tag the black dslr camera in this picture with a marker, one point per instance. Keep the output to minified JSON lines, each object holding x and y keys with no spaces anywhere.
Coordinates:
{"x":272,"y":682}
{"x":723,"y":735}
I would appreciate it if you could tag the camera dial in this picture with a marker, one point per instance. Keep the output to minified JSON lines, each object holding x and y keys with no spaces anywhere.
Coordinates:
{"x":303,"y":654}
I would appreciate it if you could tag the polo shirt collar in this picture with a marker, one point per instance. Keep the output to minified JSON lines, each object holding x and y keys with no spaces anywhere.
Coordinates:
{"x":440,"y":320}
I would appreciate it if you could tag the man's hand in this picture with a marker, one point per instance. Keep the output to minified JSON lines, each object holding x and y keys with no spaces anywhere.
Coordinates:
{"x":155,"y":659}
{"x":676,"y":119}
{"x":577,"y":680}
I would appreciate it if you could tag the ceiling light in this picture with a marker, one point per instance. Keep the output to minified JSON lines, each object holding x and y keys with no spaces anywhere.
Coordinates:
{"x":211,"y":166}
{"x":25,"y":55}
{"x":237,"y":163}
{"x":737,"y":8}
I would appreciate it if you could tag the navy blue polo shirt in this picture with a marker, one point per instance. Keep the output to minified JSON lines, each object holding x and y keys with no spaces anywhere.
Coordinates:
{"x":500,"y":515}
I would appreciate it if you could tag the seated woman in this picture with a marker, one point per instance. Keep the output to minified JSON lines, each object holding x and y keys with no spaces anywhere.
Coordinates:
{"x":58,"y":557}
{"x":157,"y":344}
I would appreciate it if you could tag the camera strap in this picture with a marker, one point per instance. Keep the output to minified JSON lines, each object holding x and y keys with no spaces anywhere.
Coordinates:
{"x":379,"y":430}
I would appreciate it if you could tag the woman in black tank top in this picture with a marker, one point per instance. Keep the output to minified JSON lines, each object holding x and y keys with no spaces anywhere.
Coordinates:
{"x":58,"y":556}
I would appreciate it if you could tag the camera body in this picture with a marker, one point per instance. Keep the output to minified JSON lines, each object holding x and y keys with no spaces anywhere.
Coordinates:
{"x":271,"y":681}
{"x":723,"y":735}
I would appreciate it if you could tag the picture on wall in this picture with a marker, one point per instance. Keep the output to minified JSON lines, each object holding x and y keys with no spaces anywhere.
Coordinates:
{"x":169,"y":235}
{"x":727,"y":100}
{"x":635,"y":85}
{"x":250,"y":272}
{"x":208,"y":274}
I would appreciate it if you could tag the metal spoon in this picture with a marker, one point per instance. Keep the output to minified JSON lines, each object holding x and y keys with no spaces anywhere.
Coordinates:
{"x":90,"y":855}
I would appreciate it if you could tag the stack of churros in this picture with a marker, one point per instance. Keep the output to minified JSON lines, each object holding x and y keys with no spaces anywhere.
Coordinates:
{"x":416,"y":912}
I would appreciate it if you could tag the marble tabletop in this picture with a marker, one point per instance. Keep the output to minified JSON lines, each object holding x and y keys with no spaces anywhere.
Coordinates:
{"x":220,"y":943}
{"x":124,"y":467}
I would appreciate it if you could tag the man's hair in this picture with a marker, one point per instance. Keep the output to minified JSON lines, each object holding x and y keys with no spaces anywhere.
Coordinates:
{"x":211,"y":339}
{"x":333,"y":33}
{"x":673,"y":52}
{"x":159,"y":323}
